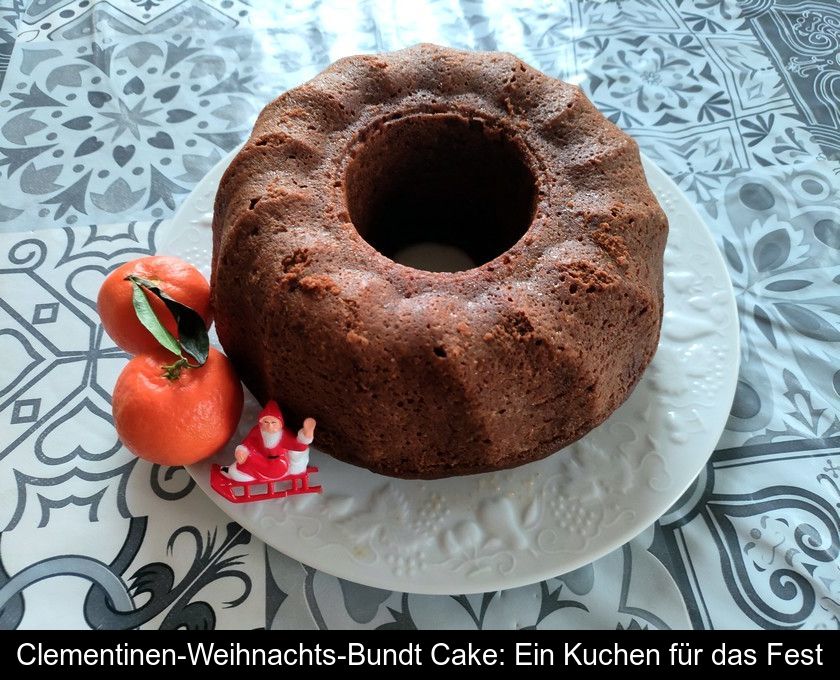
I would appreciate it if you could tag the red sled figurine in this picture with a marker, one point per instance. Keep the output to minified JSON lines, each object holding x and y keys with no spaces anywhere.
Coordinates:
{"x":271,"y":462}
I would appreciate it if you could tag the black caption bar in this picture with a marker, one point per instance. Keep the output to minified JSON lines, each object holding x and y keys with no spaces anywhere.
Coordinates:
{"x":532,"y":651}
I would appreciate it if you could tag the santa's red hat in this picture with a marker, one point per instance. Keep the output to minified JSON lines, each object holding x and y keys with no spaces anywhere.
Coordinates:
{"x":272,"y":409}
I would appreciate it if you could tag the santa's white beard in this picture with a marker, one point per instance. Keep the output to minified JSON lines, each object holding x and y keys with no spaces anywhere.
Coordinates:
{"x":271,"y":439}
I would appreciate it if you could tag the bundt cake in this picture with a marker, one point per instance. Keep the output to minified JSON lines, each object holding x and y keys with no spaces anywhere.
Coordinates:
{"x":424,"y":374}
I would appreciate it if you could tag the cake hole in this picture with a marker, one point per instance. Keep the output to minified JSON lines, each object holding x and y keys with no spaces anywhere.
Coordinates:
{"x":440,"y":191}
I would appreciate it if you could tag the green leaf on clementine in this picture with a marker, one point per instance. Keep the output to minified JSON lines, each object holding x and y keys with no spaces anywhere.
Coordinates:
{"x":147,"y":317}
{"x":192,"y":333}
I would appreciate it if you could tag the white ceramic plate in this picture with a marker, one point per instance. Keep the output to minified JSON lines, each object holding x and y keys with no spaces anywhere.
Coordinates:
{"x":506,"y":529}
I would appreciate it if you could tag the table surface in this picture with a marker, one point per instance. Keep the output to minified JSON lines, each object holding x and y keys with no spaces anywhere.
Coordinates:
{"x":110,"y":112}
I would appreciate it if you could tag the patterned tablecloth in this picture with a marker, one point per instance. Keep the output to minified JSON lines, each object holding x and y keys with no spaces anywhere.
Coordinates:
{"x":111,"y":111}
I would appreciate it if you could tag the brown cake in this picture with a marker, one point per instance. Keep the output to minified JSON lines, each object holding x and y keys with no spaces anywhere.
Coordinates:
{"x":414,"y":373}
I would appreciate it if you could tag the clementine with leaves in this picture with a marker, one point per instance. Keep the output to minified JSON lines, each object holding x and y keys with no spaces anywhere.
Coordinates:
{"x":178,"y":401}
{"x":177,"y":278}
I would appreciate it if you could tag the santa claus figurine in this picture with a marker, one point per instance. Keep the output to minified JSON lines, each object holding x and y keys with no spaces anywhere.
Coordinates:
{"x":270,"y":452}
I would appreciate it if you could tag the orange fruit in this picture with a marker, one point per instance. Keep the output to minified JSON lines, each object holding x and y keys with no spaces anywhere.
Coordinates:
{"x":178,"y":279}
{"x":176,"y":421}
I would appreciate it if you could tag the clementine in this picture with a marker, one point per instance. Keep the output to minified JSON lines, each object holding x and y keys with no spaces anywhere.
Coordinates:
{"x":178,"y":279}
{"x":176,"y":420}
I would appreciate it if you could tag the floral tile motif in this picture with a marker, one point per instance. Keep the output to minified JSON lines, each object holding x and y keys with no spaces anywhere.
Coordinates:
{"x":711,"y":16}
{"x":700,"y":164}
{"x":803,"y":40}
{"x":705,"y":107}
{"x":654,"y":81}
{"x":604,"y":15}
{"x":675,"y":81}
{"x":781,"y":239}
{"x":57,"y":20}
{"x":703,"y":159}
{"x":139,"y":123}
{"x":748,"y":73}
